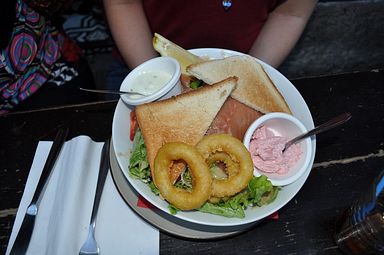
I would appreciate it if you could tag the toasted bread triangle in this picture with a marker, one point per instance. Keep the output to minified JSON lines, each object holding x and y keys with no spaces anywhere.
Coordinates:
{"x":255,"y":89}
{"x":183,"y":118}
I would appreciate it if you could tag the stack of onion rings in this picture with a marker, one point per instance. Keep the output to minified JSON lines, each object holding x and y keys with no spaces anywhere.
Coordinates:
{"x":211,"y":149}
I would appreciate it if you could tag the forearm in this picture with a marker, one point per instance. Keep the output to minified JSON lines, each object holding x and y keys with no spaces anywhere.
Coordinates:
{"x":130,"y":30}
{"x":282,"y":30}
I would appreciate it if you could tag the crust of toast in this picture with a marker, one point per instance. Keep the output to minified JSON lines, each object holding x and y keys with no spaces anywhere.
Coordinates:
{"x":255,"y":89}
{"x":183,"y":118}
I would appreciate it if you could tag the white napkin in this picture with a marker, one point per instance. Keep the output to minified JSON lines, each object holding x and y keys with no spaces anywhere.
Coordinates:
{"x":61,"y":226}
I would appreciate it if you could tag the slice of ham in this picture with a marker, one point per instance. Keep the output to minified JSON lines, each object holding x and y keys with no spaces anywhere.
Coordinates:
{"x":234,"y":118}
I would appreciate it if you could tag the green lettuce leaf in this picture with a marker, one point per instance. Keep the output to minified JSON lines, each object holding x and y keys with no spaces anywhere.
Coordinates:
{"x":261,"y":191}
{"x":223,"y":210}
{"x":138,"y":163}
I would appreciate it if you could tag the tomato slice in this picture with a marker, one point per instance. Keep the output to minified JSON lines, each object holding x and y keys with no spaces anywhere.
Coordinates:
{"x":133,"y":119}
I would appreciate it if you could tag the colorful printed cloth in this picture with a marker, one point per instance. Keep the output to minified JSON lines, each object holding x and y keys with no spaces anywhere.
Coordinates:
{"x":33,"y":57}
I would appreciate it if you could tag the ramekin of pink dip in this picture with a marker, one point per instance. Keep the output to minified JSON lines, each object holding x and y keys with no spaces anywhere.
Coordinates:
{"x":265,"y":140}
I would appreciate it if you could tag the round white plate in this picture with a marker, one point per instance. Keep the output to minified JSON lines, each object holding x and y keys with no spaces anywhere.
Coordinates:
{"x":123,"y":147}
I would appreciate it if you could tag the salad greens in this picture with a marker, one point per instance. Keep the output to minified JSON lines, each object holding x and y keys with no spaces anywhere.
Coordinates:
{"x":185,"y":181}
{"x":260,"y":190}
{"x":138,"y":163}
{"x":196,"y":84}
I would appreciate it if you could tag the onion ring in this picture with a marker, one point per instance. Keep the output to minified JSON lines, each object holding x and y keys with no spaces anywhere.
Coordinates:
{"x":238,"y":153}
{"x":201,"y":176}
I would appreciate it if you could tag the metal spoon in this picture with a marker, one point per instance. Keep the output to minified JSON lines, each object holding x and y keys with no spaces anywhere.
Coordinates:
{"x":106,"y":91}
{"x":336,"y":121}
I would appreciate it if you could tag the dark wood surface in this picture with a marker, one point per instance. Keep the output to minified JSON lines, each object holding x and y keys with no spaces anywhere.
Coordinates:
{"x":347,"y":160}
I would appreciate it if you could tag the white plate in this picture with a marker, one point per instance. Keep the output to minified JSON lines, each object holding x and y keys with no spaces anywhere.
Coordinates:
{"x":123,"y":146}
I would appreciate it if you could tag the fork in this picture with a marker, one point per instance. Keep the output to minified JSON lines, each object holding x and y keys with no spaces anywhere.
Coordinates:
{"x":90,"y":246}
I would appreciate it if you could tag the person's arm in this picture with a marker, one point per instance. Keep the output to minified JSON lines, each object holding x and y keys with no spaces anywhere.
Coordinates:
{"x":130,"y":30}
{"x":282,"y":30}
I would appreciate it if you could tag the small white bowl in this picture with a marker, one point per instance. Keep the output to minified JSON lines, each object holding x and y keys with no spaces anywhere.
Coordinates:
{"x":159,"y":66}
{"x":286,"y":125}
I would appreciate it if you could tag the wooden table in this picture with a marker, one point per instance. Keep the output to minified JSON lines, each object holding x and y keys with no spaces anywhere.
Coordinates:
{"x":347,"y":160}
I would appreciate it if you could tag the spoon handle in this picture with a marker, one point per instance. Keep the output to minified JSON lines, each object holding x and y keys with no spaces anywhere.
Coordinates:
{"x":105,"y":91}
{"x":334,"y":122}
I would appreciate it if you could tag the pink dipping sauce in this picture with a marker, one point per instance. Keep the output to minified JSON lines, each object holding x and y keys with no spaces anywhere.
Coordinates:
{"x":266,"y":151}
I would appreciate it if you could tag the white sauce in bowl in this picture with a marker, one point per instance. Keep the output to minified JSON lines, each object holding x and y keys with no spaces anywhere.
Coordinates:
{"x":149,"y":82}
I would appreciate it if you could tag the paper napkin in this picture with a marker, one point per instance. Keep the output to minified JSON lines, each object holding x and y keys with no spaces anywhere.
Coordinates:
{"x":62,"y":224}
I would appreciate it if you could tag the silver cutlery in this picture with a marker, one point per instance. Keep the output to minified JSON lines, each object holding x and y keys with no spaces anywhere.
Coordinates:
{"x":23,"y":237}
{"x":90,"y":246}
{"x":115,"y":92}
{"x":334,"y":122}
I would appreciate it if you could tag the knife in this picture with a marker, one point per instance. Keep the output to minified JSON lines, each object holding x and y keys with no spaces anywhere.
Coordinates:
{"x":23,"y":237}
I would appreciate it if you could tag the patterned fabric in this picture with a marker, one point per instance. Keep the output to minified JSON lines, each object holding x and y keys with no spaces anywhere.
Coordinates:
{"x":30,"y":58}
{"x":62,"y":74}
